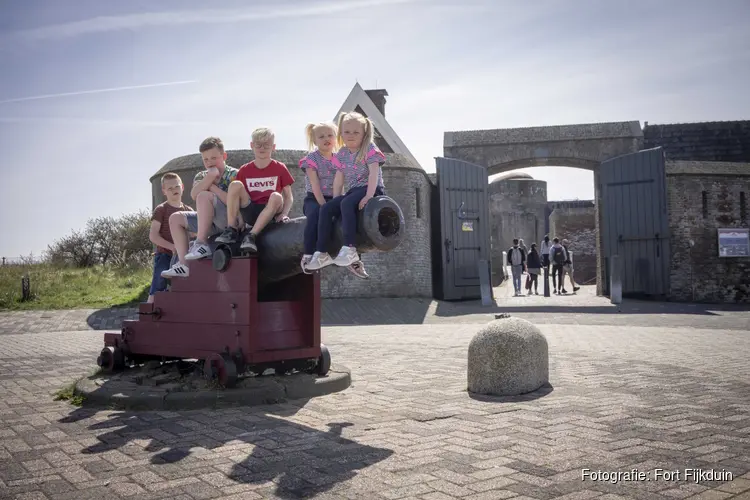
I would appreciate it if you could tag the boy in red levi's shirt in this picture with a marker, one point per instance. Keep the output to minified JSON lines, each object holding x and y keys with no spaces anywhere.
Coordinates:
{"x":261,"y":193}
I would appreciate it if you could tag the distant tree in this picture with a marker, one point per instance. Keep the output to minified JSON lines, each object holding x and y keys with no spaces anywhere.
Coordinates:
{"x":77,"y":249}
{"x":106,"y":240}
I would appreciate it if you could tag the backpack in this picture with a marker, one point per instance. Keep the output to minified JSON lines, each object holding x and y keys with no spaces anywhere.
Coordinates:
{"x":559,"y":256}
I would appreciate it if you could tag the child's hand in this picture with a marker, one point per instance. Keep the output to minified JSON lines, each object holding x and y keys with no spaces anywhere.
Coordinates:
{"x":364,"y":202}
{"x":213,"y":172}
{"x":281,"y":218}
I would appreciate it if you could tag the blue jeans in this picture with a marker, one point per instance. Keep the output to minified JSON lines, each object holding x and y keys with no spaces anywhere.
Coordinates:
{"x":347,"y":207}
{"x":162,"y":262}
{"x":311,"y":210}
{"x":517,"y":271}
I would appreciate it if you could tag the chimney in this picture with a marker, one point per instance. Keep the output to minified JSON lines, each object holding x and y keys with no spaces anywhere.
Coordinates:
{"x":377,"y":96}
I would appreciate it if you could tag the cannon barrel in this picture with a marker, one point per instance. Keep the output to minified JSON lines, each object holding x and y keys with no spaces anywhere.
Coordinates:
{"x":380,"y":228}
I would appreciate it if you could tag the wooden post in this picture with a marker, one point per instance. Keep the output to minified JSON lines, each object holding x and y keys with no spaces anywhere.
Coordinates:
{"x":25,"y":288}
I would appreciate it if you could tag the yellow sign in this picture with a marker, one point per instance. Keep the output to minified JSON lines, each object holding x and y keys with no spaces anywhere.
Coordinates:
{"x":467,"y":226}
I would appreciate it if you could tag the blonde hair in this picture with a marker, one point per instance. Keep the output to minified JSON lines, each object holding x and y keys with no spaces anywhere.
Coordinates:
{"x":310,"y":134}
{"x":368,"y":136}
{"x":170,"y":175}
{"x":262,"y":133}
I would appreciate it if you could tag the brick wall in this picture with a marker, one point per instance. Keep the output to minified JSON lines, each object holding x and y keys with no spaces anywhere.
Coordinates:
{"x":708,"y":141}
{"x":698,"y":273}
{"x":552,"y":205}
{"x":578,"y":225}
{"x":403,"y":272}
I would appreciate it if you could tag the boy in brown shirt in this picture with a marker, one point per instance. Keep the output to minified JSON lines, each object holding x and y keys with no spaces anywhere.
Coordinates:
{"x":160,"y":235}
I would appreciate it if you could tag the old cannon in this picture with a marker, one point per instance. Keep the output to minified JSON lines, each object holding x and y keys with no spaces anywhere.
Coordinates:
{"x":239,"y":314}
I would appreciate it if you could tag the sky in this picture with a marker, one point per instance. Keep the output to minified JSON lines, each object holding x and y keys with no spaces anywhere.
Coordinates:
{"x":97,"y":95}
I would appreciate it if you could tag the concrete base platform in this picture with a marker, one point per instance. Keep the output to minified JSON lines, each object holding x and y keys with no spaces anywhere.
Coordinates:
{"x":173,"y":387}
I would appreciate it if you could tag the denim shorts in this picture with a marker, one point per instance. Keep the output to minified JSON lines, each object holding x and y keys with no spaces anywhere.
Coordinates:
{"x":162,"y":262}
{"x":219,"y":222}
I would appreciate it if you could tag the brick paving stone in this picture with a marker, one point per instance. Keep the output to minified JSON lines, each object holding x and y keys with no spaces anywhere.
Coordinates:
{"x":644,"y":395}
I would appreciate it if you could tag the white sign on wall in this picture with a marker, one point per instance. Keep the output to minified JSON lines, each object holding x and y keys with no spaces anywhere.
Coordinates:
{"x":734,"y":242}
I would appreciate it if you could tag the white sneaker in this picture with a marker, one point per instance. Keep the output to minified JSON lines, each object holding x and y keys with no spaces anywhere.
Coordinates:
{"x":346,"y":257}
{"x":319,"y":261}
{"x":358,"y":269}
{"x":305,"y":261}
{"x":179,"y":270}
{"x":198,"y":251}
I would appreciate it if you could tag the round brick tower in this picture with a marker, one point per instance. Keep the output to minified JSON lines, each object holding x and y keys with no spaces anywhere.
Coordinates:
{"x":518,"y":206}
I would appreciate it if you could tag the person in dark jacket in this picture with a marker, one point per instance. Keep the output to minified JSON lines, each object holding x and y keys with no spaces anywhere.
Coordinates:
{"x":534,"y":267}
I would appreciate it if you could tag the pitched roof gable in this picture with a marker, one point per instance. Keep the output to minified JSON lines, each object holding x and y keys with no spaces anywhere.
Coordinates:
{"x":359,"y":98}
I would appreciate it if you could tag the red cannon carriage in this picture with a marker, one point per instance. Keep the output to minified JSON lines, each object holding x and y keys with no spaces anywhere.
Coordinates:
{"x":245,"y":314}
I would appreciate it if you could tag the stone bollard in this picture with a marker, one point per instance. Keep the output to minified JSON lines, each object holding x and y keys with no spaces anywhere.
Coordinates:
{"x":506,"y":270}
{"x":508,"y":357}
{"x":615,"y":280}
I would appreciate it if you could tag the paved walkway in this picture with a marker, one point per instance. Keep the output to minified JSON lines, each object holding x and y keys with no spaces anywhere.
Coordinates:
{"x":625,"y":396}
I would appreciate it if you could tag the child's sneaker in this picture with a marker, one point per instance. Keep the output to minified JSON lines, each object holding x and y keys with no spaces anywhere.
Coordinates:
{"x":179,"y":270}
{"x":358,"y":270}
{"x":576,"y":288}
{"x":229,"y":236}
{"x":248,"y":243}
{"x":305,"y":261}
{"x":346,"y":257}
{"x":319,"y":261}
{"x":198,"y":251}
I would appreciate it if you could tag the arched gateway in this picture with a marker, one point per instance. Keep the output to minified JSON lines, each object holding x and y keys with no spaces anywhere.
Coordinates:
{"x":582,"y":146}
{"x":629,"y":184}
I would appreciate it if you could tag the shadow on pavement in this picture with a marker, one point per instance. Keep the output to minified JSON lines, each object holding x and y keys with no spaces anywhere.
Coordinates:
{"x":374,"y":311}
{"x":522,"y":398}
{"x":415,"y":311}
{"x":334,"y":312}
{"x":111,"y":317}
{"x":295,"y":460}
{"x":628,"y":306}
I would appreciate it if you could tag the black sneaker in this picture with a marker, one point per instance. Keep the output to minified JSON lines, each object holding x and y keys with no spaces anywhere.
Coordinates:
{"x":229,"y":236}
{"x":248,"y":243}
{"x":576,"y":288}
{"x":564,"y":291}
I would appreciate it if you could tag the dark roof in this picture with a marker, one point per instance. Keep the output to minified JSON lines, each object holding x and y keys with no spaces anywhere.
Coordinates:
{"x":702,"y":141}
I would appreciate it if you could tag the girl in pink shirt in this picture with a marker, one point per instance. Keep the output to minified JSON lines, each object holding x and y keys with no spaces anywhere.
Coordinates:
{"x":362,"y":178}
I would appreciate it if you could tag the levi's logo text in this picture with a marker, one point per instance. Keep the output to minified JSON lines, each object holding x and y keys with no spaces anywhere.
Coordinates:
{"x":262,"y":183}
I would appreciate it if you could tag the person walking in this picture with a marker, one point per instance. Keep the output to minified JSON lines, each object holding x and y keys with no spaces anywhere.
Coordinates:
{"x":516,"y":261}
{"x":534,"y":268}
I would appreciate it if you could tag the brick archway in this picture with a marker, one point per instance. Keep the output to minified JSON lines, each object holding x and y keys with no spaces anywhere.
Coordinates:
{"x":582,"y":146}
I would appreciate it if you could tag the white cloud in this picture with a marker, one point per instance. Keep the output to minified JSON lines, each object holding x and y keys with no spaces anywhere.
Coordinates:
{"x":95,"y":91}
{"x":185,"y":17}
{"x":67,"y":121}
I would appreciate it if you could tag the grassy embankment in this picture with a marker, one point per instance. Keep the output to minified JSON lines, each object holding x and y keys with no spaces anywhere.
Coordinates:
{"x":70,"y":288}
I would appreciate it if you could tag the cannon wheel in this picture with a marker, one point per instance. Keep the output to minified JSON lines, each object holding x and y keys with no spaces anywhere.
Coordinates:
{"x":111,"y":359}
{"x":221,"y":259}
{"x":324,"y":361}
{"x":221,"y":367}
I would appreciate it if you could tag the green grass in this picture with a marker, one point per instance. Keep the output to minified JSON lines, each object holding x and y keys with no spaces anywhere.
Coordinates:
{"x":68,"y":394}
{"x":70,"y":288}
